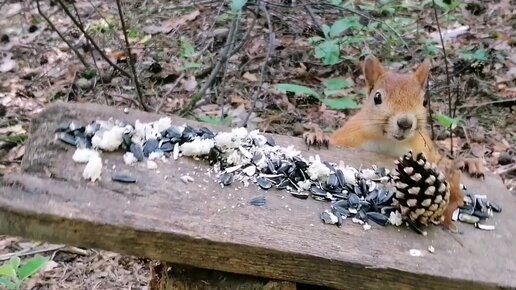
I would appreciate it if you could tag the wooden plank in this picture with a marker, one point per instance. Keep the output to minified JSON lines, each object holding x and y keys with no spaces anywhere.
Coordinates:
{"x":205,"y":226}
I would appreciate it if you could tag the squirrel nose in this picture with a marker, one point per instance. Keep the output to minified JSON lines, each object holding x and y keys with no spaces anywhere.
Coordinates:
{"x":404,"y":123}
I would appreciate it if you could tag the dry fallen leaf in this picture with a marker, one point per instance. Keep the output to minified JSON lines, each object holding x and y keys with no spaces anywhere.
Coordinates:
{"x":15,"y":129}
{"x":169,"y":25}
{"x":250,"y":77}
{"x":7,"y":63}
{"x":16,"y":153}
{"x":189,"y":85}
{"x":237,"y":100}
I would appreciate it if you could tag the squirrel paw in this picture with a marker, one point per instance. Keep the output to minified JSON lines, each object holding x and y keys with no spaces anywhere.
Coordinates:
{"x":473,"y":166}
{"x":315,"y":137}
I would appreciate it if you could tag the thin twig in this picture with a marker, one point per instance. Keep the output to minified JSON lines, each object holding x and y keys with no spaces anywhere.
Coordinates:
{"x":224,"y":70}
{"x":265,"y":63}
{"x":223,"y":58}
{"x":245,"y":38}
{"x":447,"y":73}
{"x":310,"y":11}
{"x":132,"y":61}
{"x":28,"y":252}
{"x":90,"y":50}
{"x":489,"y":103}
{"x":92,"y":41}
{"x":429,"y":104}
{"x":75,"y":50}
{"x":457,"y":98}
{"x":97,"y":11}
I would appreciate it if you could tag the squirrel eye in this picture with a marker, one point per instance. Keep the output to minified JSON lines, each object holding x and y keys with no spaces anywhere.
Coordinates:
{"x":377,"y":98}
{"x":425,"y":102}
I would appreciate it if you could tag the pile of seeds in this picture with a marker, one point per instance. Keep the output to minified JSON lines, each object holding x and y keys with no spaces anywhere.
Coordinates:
{"x":361,"y":195}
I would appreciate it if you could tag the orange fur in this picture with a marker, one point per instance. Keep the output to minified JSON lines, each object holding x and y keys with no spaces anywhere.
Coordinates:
{"x":375,"y":127}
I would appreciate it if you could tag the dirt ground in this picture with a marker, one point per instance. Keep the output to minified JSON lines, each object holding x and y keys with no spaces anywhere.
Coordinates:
{"x":196,"y":59}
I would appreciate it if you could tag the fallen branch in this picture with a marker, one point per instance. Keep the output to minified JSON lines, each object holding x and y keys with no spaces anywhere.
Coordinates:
{"x":131,"y":59}
{"x":49,"y":22}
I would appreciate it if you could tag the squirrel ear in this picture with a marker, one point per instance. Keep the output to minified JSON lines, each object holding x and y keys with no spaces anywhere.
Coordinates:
{"x":373,"y":69}
{"x":422,"y":73}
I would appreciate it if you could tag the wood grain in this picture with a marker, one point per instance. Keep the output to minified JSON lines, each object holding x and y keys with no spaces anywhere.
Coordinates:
{"x":203,"y":225}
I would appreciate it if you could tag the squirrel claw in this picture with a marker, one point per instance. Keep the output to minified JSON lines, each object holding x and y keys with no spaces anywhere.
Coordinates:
{"x":315,"y":136}
{"x":315,"y":139}
{"x":473,"y":166}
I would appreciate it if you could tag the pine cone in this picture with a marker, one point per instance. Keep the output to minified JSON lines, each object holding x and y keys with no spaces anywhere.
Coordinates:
{"x":422,"y":193}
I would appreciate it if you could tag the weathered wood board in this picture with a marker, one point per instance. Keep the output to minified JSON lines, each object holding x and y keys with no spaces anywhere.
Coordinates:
{"x":203,"y":225}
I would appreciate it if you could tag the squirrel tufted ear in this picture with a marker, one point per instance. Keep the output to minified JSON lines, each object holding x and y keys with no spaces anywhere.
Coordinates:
{"x":422,"y":72}
{"x":373,"y":69}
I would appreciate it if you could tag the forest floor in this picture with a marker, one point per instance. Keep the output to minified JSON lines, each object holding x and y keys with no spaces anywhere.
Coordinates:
{"x":197,"y":59}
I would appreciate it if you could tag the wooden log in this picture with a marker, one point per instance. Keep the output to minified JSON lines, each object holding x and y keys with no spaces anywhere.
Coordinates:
{"x":202,"y":225}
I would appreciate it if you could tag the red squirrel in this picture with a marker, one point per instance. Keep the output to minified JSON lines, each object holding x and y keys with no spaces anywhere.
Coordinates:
{"x":392,"y":121}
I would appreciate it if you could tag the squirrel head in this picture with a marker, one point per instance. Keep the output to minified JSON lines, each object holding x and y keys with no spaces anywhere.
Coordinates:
{"x":395,"y":102}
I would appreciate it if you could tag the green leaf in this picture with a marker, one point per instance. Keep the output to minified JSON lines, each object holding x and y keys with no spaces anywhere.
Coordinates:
{"x":7,"y":270}
{"x":132,"y":33}
{"x":430,"y":48}
{"x":352,"y":40}
{"x":315,"y":40}
{"x":296,"y":89}
{"x":337,"y":84}
{"x":226,"y":121}
{"x":89,"y":74}
{"x":237,"y":5}
{"x":332,"y":93}
{"x":339,"y":104}
{"x":344,"y":24}
{"x":188,"y":49}
{"x":329,"y":51}
{"x":31,"y":267}
{"x":326,"y":30}
{"x":368,"y":7}
{"x":8,"y":284}
{"x":479,"y":54}
{"x":15,"y":262}
{"x":447,"y":121}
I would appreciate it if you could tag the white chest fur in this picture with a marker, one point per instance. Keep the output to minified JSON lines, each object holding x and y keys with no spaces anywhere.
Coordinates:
{"x":387,"y":147}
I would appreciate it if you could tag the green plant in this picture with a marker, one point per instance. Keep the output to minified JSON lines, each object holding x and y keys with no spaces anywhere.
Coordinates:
{"x":13,"y":274}
{"x":446,"y":7}
{"x":133,"y":33}
{"x":333,"y":88}
{"x":237,"y":5}
{"x":447,"y":121}
{"x":328,"y":48}
{"x":430,"y":48}
{"x":474,"y":54}
{"x":188,"y":52}
{"x":219,"y":121}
